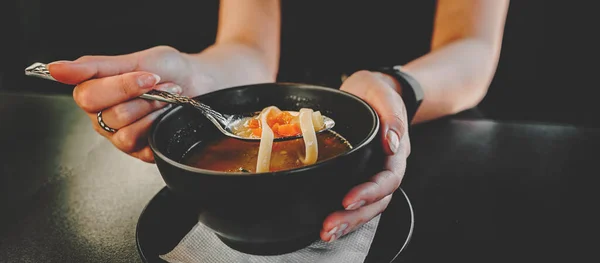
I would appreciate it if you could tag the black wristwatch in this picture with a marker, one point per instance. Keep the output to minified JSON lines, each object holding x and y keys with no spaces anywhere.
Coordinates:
{"x":412,"y":93}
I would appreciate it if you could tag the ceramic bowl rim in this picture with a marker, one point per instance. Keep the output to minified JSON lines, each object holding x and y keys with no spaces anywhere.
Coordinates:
{"x":369,"y":138}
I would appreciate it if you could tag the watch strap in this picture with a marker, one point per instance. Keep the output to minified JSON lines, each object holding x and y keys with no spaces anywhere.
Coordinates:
{"x":412,"y":93}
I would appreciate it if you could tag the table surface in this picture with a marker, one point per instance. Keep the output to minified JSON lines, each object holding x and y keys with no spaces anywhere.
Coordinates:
{"x":482,"y":191}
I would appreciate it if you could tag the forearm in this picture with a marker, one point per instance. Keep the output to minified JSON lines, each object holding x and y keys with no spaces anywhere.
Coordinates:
{"x":454,"y":78}
{"x":255,"y":24}
{"x":466,"y":44}
{"x":229,"y":64}
{"x":246,"y":49}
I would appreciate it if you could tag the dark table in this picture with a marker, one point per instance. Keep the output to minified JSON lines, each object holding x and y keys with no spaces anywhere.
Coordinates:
{"x":482,"y":191}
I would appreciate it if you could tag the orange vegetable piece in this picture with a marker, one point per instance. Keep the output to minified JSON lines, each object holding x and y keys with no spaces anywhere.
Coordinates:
{"x":257,"y":132}
{"x":275,"y":129}
{"x":281,"y":123}
{"x":285,"y":117}
{"x":271,"y":120}
{"x":288,"y":130}
{"x":253,"y":123}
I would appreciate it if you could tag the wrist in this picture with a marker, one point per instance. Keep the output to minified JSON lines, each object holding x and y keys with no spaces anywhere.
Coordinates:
{"x":390,"y":81}
{"x":234,"y":64}
{"x":201,"y":77}
{"x":408,"y":87}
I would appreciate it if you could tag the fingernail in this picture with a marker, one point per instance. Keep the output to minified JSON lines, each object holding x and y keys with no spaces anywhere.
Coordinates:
{"x":393,"y":140}
{"x":355,"y":205}
{"x":337,"y":229}
{"x":49,"y":65}
{"x":172,"y":89}
{"x":332,"y":238}
{"x":167,"y":107}
{"x":148,"y":80}
{"x":341,"y":231}
{"x":59,"y":62}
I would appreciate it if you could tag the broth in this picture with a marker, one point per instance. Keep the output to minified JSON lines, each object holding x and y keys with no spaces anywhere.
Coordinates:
{"x":231,"y":155}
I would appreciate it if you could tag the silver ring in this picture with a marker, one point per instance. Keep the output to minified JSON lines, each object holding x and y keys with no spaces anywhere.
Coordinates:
{"x":103,"y":125}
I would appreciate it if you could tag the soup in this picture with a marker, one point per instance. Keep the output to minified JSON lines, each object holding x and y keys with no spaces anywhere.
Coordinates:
{"x":231,"y":155}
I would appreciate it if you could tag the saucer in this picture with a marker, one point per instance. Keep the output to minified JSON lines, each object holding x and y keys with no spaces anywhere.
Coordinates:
{"x":163,"y":223}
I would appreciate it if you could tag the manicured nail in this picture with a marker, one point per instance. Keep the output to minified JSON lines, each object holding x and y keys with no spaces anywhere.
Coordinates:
{"x":337,"y":232}
{"x":343,"y":227}
{"x":167,"y":107}
{"x":333,"y":231}
{"x":49,"y":65}
{"x":358,"y":225}
{"x":332,"y":238}
{"x":148,"y":80}
{"x":341,"y":231}
{"x":59,"y":62}
{"x":355,"y":205}
{"x":337,"y":229}
{"x":393,"y":140}
{"x":172,"y":89}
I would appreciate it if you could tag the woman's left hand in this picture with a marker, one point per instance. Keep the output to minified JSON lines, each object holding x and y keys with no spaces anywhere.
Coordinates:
{"x":367,"y":200}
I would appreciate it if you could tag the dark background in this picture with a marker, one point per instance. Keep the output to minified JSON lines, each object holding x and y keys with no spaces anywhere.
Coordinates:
{"x":320,"y":38}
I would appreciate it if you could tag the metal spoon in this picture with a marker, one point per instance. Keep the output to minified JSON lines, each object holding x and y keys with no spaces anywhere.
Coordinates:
{"x":223,"y":122}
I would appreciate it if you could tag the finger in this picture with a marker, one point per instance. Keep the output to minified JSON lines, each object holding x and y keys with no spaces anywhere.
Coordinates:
{"x":98,"y":94}
{"x":88,"y":67}
{"x":133,"y":138}
{"x":379,"y":186}
{"x":386,"y":102}
{"x":340,"y":223}
{"x":144,"y":154}
{"x":123,"y":114}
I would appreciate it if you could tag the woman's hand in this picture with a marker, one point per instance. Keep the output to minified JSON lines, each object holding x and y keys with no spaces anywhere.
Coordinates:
{"x":111,"y":84}
{"x":367,"y":200}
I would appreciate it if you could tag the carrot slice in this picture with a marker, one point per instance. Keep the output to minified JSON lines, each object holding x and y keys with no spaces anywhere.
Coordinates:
{"x":285,"y":117}
{"x":271,"y":120}
{"x":288,"y":130}
{"x":275,"y":129}
{"x":253,"y":124}
{"x":257,"y":131}
{"x":282,"y":123}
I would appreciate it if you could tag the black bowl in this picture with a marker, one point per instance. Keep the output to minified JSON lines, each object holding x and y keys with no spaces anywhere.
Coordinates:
{"x":267,"y":213}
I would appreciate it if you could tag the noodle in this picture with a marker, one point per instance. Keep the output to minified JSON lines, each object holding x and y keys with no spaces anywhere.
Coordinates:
{"x":310,"y":137}
{"x":309,"y":121}
{"x":317,"y":120}
{"x":266,"y":142}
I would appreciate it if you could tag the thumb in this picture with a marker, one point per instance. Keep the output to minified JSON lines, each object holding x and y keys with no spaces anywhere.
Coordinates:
{"x":394,"y":119}
{"x":88,"y":67}
{"x":391,"y":111}
{"x":388,"y":104}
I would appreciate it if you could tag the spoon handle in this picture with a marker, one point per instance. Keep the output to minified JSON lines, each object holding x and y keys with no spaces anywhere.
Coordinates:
{"x":184,"y":100}
{"x":157,"y":97}
{"x":41,"y":71}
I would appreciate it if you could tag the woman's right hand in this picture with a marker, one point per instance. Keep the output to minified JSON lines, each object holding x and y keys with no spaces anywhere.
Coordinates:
{"x":111,"y":84}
